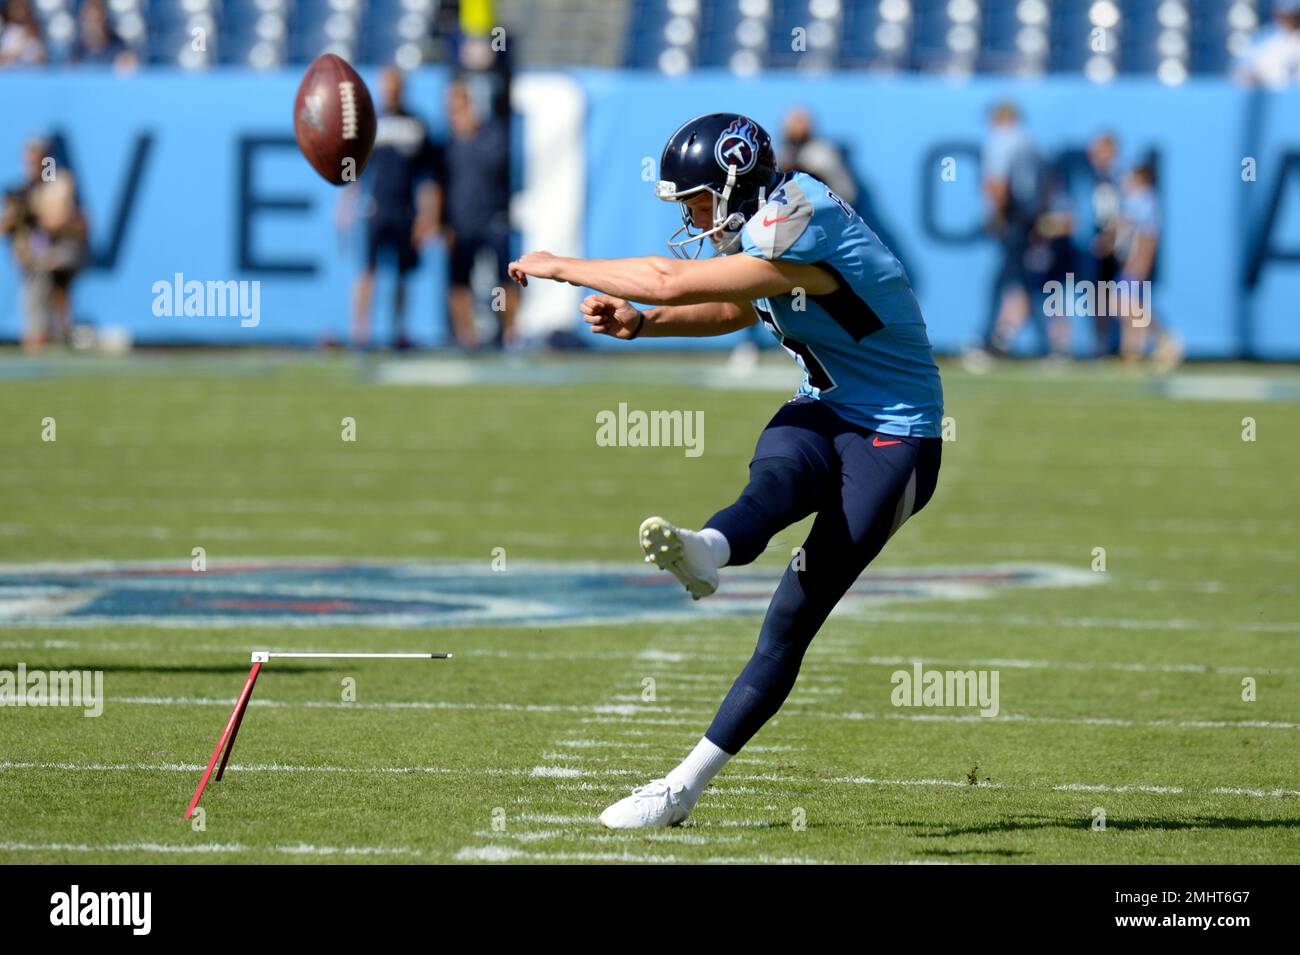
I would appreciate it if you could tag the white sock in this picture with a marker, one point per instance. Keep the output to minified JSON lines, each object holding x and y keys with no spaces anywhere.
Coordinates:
{"x":706,"y":548}
{"x":698,"y":769}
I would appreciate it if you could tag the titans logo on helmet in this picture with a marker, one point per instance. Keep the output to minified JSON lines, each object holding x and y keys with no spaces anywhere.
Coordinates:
{"x":737,"y":146}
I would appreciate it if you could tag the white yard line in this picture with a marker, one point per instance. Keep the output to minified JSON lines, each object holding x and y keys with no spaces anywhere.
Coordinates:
{"x":672,"y":836}
{"x":1088,"y":623}
{"x":1002,"y":719}
{"x":557,"y":756}
{"x":1256,"y":793}
{"x":1030,"y":664}
{"x":598,"y":709}
{"x":727,"y":783}
{"x":213,"y":848}
{"x":511,"y":854}
{"x":723,"y":679}
{"x":6,"y":765}
{"x":815,"y":658}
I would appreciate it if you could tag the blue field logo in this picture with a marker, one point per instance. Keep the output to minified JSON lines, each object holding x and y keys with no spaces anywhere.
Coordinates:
{"x":321,"y":593}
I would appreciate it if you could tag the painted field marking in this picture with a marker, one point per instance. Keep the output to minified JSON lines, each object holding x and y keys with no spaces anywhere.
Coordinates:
{"x":232,"y":848}
{"x":677,"y":836}
{"x":730,"y":783}
{"x":723,"y":676}
{"x":510,"y":854}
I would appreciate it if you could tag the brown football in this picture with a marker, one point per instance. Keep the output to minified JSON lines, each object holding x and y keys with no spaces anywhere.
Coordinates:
{"x":334,"y":119}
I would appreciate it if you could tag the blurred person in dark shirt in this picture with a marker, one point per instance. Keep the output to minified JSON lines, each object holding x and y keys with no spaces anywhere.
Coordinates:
{"x":1050,"y":257}
{"x":1105,"y":200}
{"x":802,"y":150}
{"x":1012,"y":179}
{"x":97,"y":44}
{"x":399,"y":199}
{"x":47,"y":228}
{"x":477,"y":214}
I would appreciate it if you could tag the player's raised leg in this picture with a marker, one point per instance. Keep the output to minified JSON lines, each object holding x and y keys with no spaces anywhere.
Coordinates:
{"x":693,"y":557}
{"x":881,"y":486}
{"x":792,"y":469}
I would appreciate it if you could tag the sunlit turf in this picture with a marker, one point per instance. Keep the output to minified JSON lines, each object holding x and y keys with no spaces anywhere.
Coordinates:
{"x":1120,"y":701}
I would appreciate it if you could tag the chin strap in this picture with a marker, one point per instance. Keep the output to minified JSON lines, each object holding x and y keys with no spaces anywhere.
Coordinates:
{"x":730,"y":222}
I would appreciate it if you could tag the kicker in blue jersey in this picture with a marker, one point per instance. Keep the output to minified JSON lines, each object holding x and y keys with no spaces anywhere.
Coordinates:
{"x":863,"y":348}
{"x":859,"y":446}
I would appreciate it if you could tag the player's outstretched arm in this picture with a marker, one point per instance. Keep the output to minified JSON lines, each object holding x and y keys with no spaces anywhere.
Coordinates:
{"x":618,"y":318}
{"x":656,"y":280}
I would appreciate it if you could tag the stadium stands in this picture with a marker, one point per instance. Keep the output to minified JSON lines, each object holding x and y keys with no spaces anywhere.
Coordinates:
{"x":1102,"y":39}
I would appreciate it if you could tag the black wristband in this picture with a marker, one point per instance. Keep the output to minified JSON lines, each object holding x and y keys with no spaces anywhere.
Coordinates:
{"x":639,"y":326}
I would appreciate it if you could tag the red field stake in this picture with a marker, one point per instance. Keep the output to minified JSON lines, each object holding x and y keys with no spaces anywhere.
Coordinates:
{"x":227,"y":741}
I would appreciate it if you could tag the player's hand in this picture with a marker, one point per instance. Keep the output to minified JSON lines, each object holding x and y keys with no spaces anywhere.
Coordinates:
{"x":611,"y":316}
{"x":540,"y":265}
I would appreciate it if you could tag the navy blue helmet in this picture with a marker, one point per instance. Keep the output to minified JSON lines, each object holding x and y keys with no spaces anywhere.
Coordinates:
{"x":727,"y":155}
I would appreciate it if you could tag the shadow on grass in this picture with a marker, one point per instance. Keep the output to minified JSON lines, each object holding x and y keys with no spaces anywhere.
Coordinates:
{"x":1037,"y":823}
{"x":959,"y":853}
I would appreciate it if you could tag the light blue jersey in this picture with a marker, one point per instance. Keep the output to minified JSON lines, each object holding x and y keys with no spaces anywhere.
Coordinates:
{"x":863,"y":348}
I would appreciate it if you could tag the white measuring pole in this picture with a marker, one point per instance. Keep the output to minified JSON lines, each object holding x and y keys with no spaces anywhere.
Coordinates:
{"x":262,"y":656}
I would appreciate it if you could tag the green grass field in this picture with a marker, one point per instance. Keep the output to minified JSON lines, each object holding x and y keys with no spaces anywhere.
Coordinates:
{"x":1124,"y":697}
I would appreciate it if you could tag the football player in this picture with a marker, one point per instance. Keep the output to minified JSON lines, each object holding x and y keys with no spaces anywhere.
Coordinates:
{"x":858,"y":445}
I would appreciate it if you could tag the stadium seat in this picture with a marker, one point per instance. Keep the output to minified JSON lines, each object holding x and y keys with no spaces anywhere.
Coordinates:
{"x":1220,"y":31}
{"x":255,"y":32}
{"x":327,"y":25}
{"x":947,"y":35}
{"x":399,"y":31}
{"x":664,"y":35}
{"x":1073,"y":38}
{"x":877,"y":35}
{"x":806,"y":34}
{"x":1015,"y":38}
{"x":1170,"y":39}
{"x":1156,"y":39}
{"x":734,"y":34}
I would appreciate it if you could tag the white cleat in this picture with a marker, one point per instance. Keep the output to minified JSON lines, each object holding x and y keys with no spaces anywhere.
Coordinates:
{"x":656,"y":805}
{"x":663,"y":546}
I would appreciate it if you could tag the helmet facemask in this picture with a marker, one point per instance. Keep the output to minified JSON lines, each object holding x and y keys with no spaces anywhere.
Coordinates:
{"x":725,"y":231}
{"x":728,"y":156}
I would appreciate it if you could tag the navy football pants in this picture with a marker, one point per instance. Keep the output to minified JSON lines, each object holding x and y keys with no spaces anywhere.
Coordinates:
{"x":861,"y":485}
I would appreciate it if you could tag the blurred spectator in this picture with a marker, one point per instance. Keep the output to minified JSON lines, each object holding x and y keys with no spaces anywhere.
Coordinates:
{"x":97,"y":44}
{"x":399,"y":198}
{"x":1272,"y":60}
{"x":47,"y":229}
{"x":477,"y":214}
{"x":1104,"y":206}
{"x":21,"y":43}
{"x":803,"y":151}
{"x":1137,"y":247}
{"x":1049,"y":257}
{"x":1012,"y":172}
